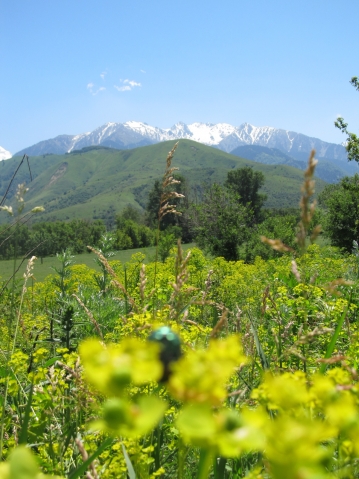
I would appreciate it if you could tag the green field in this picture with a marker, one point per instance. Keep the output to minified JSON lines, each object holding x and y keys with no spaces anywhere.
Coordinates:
{"x":44,"y":268}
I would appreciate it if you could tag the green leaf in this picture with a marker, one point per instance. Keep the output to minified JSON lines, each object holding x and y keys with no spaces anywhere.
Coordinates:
{"x":25,"y":423}
{"x":23,"y":464}
{"x":333,"y":341}
{"x":146,"y":414}
{"x":197,"y":425}
{"x":51,"y":361}
{"x":260,"y":351}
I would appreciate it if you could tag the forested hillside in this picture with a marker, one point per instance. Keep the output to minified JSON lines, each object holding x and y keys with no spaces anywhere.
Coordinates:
{"x":97,"y":183}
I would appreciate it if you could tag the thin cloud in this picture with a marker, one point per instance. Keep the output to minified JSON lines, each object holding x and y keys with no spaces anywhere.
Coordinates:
{"x":103,"y":74}
{"x":122,"y":88}
{"x":127,"y":85}
{"x":90,"y":87}
{"x":132,"y":83}
{"x":142,"y":71}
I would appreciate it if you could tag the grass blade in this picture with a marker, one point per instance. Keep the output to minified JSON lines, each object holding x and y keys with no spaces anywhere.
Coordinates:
{"x":260,"y":351}
{"x":219,"y":467}
{"x":333,"y":341}
{"x":25,"y":423}
{"x":205,"y":461}
{"x":130,"y":469}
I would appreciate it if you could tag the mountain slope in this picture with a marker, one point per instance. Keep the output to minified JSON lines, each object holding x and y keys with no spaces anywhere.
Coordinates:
{"x":327,"y":169}
{"x":99,"y":182}
{"x":263,"y":154}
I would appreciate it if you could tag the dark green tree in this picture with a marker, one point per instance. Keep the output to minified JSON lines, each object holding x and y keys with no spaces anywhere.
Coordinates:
{"x":131,"y":231}
{"x":221,"y":222}
{"x":341,"y":204}
{"x":281,"y":227}
{"x":352,"y":143}
{"x":130,"y":213}
{"x":246,"y":183}
{"x":130,"y":234}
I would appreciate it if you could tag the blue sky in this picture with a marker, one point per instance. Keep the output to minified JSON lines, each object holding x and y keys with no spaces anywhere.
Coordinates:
{"x":70,"y":66}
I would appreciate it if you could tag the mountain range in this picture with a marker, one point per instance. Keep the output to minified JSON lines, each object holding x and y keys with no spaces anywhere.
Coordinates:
{"x":223,"y":136}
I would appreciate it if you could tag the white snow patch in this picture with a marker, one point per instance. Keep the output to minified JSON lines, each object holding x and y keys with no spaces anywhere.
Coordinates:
{"x":4,"y":154}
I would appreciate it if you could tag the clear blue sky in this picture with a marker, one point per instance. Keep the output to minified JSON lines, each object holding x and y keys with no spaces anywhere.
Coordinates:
{"x":69,"y":66}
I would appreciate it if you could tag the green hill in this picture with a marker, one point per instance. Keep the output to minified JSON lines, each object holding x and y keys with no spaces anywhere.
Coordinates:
{"x":98,"y":182}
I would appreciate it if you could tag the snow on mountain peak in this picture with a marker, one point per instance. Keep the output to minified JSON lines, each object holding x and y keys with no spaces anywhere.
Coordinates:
{"x":4,"y":154}
{"x":151,"y":132}
{"x":210,"y":134}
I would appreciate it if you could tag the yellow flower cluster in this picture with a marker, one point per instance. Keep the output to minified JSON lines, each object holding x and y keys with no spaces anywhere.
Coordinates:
{"x":202,"y":374}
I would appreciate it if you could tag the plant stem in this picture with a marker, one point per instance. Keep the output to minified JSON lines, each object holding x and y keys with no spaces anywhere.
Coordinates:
{"x":205,"y":461}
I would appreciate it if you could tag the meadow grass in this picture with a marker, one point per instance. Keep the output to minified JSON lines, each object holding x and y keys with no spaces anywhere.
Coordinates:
{"x":43,"y":269}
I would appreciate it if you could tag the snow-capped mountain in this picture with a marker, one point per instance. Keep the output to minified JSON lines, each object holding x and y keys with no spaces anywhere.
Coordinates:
{"x":221,"y":135}
{"x":4,"y":154}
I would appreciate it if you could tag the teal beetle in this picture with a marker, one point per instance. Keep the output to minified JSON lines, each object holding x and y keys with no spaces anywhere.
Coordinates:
{"x":170,"y":348}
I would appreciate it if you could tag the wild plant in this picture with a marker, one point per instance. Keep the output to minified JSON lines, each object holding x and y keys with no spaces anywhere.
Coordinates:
{"x":106,"y":249}
{"x":12,"y":336}
{"x":168,"y":194}
{"x":13,"y":319}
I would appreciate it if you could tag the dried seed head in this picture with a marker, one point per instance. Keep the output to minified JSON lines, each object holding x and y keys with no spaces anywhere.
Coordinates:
{"x":295,"y":271}
{"x":167,"y":193}
{"x":8,"y":209}
{"x":276,"y":244}
{"x":38,"y":209}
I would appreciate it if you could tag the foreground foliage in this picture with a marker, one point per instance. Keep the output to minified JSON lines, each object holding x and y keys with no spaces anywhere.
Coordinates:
{"x":192,"y":367}
{"x":286,"y":314}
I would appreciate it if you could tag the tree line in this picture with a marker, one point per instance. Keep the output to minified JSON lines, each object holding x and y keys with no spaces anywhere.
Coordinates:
{"x":225,"y":220}
{"x":49,"y":238}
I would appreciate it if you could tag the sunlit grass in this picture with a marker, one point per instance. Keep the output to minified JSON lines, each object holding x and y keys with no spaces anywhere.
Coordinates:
{"x":43,"y":269}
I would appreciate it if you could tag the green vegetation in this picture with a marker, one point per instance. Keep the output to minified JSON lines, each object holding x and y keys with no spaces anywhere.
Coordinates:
{"x":352,"y":142}
{"x":45,"y":268}
{"x":48,"y":238}
{"x":222,"y":223}
{"x":192,"y":366}
{"x":100,"y":183}
{"x":341,"y":206}
{"x":246,"y":183}
{"x":190,"y":425}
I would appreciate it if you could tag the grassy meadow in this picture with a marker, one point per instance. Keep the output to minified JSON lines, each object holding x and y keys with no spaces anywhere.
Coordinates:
{"x":278,"y":336}
{"x":45,"y":266}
